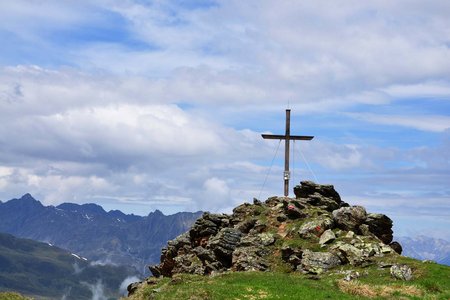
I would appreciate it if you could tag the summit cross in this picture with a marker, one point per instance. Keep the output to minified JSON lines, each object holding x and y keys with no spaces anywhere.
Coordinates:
{"x":287,"y":137}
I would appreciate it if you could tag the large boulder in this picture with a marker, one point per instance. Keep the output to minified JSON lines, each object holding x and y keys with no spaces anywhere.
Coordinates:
{"x":381,"y":226}
{"x":224,"y":243}
{"x":349,"y":218}
{"x":294,"y":210}
{"x":206,"y":226}
{"x":250,"y":259}
{"x":181,"y":244}
{"x":315,"y":227}
{"x":327,"y":237}
{"x":402,"y":272}
{"x":308,"y":188}
{"x":348,"y":253}
{"x":317,"y":262}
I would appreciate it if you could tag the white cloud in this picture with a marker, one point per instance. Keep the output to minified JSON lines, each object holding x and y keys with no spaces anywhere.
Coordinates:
{"x":435,"y":123}
{"x":86,"y":119}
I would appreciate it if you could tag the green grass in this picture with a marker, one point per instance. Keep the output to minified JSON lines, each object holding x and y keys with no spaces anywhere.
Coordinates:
{"x":431,"y":281}
{"x":244,"y":285}
{"x":12,"y":296}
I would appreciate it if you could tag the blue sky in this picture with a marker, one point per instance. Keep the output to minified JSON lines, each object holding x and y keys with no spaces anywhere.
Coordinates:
{"x":143,"y":105}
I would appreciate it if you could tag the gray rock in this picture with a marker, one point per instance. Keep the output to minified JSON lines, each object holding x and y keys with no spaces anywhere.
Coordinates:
{"x":396,"y":247}
{"x":293,"y":211}
{"x":188,"y":263}
{"x":364,"y":230}
{"x":266,"y":238}
{"x":351,"y":275}
{"x":155,"y":270}
{"x":246,"y":225}
{"x":205,"y":255}
{"x":348,"y":253}
{"x":205,"y":226}
{"x":292,"y":256}
{"x":224,"y":243}
{"x":402,"y":272}
{"x":249,"y":259}
{"x":381,"y":226}
{"x":257,"y":202}
{"x":349,"y":218}
{"x":326,"y":203}
{"x":274,"y":201}
{"x":133,"y":287}
{"x":327,"y":237}
{"x":350,"y":235}
{"x":260,"y":226}
{"x":315,"y":227}
{"x":308,"y":188}
{"x":317,"y":262}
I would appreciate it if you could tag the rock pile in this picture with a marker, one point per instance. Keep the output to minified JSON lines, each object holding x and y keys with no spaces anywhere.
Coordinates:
{"x":312,"y":233}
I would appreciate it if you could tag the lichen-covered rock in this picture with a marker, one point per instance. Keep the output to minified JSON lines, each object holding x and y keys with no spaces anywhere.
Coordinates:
{"x":246,"y":225}
{"x":242,"y":212}
{"x":315,"y":227}
{"x":348,"y":253}
{"x":250,"y":259}
{"x":266,"y":238}
{"x":381,"y":226}
{"x":402,"y":272}
{"x":259,"y":227}
{"x":250,"y":238}
{"x":205,"y":255}
{"x":349,"y":218}
{"x":207,"y":225}
{"x":317,"y":262}
{"x":274,"y":201}
{"x":188,"y":263}
{"x":327,"y":237}
{"x":351,"y":275}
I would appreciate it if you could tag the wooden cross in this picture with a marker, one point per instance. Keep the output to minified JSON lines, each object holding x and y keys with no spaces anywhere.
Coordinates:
{"x":287,"y":138}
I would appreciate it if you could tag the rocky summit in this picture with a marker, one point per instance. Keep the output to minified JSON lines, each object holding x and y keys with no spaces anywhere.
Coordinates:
{"x":314,"y":232}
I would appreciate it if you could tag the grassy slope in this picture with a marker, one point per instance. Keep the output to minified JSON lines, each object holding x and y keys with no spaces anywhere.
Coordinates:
{"x":431,"y":281}
{"x":12,"y":296}
{"x":34,"y":268}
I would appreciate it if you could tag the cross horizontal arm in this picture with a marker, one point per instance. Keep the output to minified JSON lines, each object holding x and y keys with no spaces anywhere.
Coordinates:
{"x":283,"y":137}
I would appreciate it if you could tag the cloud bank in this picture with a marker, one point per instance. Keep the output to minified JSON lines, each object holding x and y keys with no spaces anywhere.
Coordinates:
{"x":138,"y":106}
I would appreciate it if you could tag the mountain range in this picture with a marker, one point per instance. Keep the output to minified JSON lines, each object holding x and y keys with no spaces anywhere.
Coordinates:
{"x":43,"y":271}
{"x":88,"y":230}
{"x":426,"y":248}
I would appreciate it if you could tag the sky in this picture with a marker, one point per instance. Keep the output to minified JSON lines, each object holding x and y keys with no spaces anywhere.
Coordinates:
{"x":141,"y":105}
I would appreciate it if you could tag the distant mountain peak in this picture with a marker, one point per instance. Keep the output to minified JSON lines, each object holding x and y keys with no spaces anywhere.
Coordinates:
{"x":158,"y":212}
{"x":90,"y":208}
{"x":28,"y":197}
{"x":26,"y":201}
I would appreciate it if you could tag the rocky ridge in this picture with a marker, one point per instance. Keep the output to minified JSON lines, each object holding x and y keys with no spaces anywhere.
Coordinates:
{"x":311,"y":233}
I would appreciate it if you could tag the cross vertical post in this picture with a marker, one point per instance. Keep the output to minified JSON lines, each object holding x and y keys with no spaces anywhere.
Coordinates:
{"x":287,"y":143}
{"x":287,"y":137}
